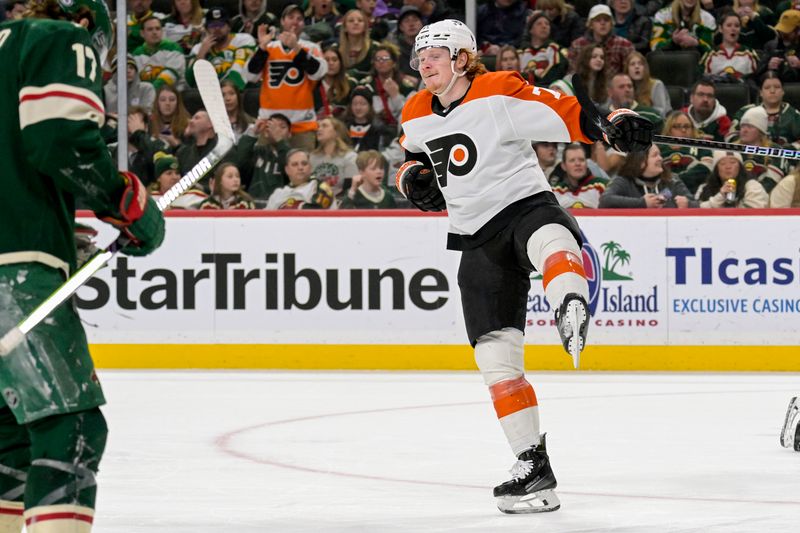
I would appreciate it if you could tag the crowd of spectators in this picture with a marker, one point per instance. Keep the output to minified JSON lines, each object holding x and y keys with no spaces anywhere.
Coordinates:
{"x":314,"y":92}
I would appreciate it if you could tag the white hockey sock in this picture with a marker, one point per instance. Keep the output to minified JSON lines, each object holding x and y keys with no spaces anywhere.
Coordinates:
{"x":59,"y":519}
{"x":500,"y":357}
{"x":554,"y":252}
{"x":518,"y":412}
{"x":11,"y":516}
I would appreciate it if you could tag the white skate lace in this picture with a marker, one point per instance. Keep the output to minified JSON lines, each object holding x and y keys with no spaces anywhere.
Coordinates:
{"x":521,"y":469}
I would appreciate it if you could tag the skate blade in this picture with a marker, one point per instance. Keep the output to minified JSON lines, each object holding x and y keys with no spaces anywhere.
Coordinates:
{"x":575,"y":317}
{"x":789,"y":433}
{"x":544,"y":501}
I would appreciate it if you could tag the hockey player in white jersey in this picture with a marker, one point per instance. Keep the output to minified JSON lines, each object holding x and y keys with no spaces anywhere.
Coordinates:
{"x":468,"y":150}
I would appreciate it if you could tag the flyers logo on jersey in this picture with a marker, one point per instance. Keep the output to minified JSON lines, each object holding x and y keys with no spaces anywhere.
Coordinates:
{"x":454,"y":154}
{"x":284,"y":71}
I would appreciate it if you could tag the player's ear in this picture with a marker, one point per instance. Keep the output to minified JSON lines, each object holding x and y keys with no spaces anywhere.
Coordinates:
{"x":462,"y":60}
{"x":84,"y":22}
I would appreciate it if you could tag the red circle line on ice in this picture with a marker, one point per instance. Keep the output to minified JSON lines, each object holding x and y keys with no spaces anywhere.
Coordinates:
{"x":224,"y":443}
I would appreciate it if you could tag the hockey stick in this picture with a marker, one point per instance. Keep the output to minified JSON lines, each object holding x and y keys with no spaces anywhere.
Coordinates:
{"x":748,"y":149}
{"x":602,"y":122}
{"x":208,"y":85}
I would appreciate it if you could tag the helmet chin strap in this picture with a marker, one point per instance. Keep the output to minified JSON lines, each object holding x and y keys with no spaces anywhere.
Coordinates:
{"x":453,"y":80}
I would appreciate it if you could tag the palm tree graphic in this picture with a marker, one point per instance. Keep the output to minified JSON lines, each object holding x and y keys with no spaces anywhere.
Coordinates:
{"x":615,"y":255}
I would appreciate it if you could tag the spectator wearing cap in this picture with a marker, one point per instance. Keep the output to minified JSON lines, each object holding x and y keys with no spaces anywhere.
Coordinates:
{"x":158,"y":60}
{"x":138,"y":10}
{"x":366,"y":133}
{"x":409,"y":23}
{"x":139,"y":93}
{"x":252,"y":13}
{"x":753,"y":128}
{"x":599,"y":33}
{"x":780,"y":54}
{"x":783,"y":118}
{"x":728,"y":176}
{"x":632,"y":23}
{"x":543,"y":61}
{"x":289,"y":68}
{"x":227,"y":51}
{"x":683,"y":25}
{"x":167,"y":175}
{"x":332,"y":93}
{"x":184,"y":25}
{"x":501,"y":22}
{"x":261,"y":156}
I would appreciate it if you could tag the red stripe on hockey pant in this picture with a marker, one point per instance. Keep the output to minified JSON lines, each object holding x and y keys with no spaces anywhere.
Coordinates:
{"x":512,"y":395}
{"x":62,"y":94}
{"x":58,"y":516}
{"x":561,"y":263}
{"x":6,"y":510}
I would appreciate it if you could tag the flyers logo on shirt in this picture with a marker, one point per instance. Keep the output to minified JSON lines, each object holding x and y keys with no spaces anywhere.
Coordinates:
{"x":454,"y":154}
{"x":284,"y":71}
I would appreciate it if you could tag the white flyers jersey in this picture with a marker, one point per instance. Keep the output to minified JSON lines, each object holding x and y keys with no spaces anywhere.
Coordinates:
{"x":481,"y":150}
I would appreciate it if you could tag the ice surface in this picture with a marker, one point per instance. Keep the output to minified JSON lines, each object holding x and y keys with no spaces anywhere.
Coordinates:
{"x":238,"y":452}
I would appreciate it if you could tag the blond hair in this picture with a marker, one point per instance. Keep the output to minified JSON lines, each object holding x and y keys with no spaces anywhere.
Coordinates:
{"x":643,"y":89}
{"x":474,"y":66}
{"x":365,"y":158}
{"x":344,"y":42}
{"x":342,"y":141}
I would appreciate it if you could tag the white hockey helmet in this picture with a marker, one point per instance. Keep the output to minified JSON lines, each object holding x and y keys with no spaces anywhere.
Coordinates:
{"x":449,"y":33}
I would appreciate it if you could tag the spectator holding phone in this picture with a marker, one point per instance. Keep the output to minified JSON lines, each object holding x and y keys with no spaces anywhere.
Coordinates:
{"x":643,"y":181}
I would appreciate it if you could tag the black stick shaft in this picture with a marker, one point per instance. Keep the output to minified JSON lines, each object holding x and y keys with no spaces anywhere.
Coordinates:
{"x":748,"y":149}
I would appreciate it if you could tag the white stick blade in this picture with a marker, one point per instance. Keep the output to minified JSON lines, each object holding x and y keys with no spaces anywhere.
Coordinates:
{"x":208,"y":84}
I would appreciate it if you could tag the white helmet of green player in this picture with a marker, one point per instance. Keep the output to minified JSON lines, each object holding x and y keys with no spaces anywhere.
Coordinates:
{"x":100,"y":26}
{"x":449,"y":33}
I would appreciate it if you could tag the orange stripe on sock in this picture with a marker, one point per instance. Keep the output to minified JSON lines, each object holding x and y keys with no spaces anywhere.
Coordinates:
{"x":58,"y":516}
{"x":512,"y":395}
{"x":561,"y":263}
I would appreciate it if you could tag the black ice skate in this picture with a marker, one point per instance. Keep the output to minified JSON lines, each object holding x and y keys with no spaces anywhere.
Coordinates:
{"x":572,"y":321}
{"x":790,"y":435}
{"x":532,"y":484}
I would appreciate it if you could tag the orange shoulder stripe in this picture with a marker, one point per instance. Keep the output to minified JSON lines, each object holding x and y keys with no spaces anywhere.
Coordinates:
{"x":512,"y":84}
{"x":418,"y":106}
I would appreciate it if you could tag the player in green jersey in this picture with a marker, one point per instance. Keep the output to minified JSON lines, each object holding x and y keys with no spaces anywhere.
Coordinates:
{"x":52,"y":433}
